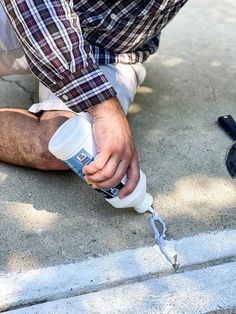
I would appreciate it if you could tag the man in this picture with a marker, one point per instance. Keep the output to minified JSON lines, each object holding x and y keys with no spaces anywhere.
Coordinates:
{"x":88,"y":56}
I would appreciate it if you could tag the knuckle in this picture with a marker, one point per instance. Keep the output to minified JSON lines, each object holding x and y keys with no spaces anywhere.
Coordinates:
{"x":117,"y":179}
{"x":129,"y":153}
{"x":113,"y":182}
{"x":97,"y":166}
{"x":107,"y":175}
{"x":111,"y":147}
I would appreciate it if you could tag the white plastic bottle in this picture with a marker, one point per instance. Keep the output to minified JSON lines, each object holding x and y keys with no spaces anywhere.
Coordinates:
{"x":73,"y":143}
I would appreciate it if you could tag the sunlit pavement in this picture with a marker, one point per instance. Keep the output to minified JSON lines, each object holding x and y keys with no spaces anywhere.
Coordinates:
{"x":49,"y":219}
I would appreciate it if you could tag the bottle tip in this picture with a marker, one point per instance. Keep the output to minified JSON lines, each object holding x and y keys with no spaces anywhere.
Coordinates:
{"x":151,"y":210}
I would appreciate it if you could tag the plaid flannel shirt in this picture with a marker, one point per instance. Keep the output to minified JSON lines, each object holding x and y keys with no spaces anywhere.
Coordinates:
{"x":65,"y":41}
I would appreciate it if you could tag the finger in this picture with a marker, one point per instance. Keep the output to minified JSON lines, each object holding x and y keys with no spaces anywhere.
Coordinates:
{"x":117,"y":176}
{"x":98,"y":163}
{"x":107,"y":172}
{"x":133,"y":175}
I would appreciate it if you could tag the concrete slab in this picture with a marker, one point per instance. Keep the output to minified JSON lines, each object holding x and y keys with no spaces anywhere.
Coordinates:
{"x":117,"y":270}
{"x":51,"y":218}
{"x":209,"y":289}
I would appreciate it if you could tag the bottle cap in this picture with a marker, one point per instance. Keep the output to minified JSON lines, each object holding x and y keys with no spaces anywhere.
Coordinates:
{"x":69,"y":137}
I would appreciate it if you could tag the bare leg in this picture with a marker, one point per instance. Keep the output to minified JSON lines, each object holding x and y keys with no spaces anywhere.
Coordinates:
{"x":24,"y":138}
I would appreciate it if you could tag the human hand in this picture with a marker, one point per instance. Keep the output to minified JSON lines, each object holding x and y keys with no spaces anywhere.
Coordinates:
{"x":116,"y":153}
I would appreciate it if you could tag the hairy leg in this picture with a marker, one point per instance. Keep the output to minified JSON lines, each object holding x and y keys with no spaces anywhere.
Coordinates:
{"x":24,"y":138}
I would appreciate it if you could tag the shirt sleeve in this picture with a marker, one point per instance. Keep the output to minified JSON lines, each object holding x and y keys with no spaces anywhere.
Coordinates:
{"x":58,"y":55}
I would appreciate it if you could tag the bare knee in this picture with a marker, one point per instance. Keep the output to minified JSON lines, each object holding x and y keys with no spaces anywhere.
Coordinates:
{"x":46,"y":161}
{"x":48,"y":125}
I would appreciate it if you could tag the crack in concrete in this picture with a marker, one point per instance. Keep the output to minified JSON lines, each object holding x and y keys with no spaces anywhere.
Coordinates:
{"x":27,"y":91}
{"x":118,"y":283}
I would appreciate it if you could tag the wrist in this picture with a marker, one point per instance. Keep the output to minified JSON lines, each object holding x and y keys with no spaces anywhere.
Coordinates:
{"x":109,"y":105}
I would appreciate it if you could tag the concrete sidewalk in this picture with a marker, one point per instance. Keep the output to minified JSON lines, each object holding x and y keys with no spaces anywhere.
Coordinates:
{"x":132,"y":281}
{"x":49,"y":218}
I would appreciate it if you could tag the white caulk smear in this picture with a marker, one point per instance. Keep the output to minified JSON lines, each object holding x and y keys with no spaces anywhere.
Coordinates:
{"x":159,"y":229}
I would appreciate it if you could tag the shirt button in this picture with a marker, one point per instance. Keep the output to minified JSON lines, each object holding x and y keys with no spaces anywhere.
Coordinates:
{"x":113,"y":16}
{"x":86,"y":29}
{"x":65,"y":97}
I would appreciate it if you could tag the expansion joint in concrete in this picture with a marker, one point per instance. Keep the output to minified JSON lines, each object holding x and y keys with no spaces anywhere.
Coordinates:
{"x":116,"y":284}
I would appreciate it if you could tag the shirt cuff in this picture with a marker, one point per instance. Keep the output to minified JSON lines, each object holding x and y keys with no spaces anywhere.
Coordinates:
{"x":84,"y":89}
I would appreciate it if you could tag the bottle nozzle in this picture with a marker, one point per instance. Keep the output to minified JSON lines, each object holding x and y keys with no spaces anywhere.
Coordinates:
{"x":159,"y":229}
{"x":145,"y":205}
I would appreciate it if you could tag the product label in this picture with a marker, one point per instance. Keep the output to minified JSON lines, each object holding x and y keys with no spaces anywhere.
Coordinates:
{"x":78,"y":161}
{"x":83,"y":158}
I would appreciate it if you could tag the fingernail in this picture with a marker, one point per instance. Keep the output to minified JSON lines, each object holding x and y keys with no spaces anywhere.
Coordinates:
{"x":87,"y":179}
{"x":121,"y":196}
{"x":88,"y":182}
